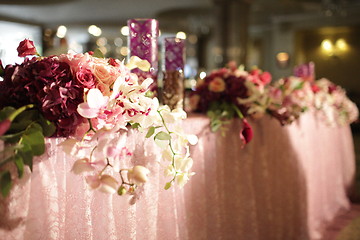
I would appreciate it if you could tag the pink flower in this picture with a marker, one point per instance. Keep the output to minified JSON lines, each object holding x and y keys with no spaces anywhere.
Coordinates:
{"x":265,"y":77}
{"x":26,"y":47}
{"x":246,"y":133}
{"x":85,"y":78}
{"x":103,"y":74}
{"x":217,"y":85}
{"x":4,"y":126}
{"x":95,"y":102}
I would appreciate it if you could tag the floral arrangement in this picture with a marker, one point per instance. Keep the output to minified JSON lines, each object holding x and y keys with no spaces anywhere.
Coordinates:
{"x":232,"y":92}
{"x":91,"y":101}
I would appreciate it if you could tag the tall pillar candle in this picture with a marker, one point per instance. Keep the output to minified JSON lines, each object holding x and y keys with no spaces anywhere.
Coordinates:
{"x":173,"y":82}
{"x":143,"y":42}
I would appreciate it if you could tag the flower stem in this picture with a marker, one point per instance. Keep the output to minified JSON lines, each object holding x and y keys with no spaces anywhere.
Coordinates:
{"x":14,"y":114}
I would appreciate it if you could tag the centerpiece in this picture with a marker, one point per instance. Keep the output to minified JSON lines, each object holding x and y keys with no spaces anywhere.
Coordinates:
{"x":231,"y":92}
{"x":91,"y":102}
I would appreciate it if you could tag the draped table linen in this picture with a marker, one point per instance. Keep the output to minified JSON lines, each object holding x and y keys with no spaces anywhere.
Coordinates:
{"x":289,"y":182}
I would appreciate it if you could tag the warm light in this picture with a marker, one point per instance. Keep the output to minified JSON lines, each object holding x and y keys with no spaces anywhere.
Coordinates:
{"x":181,"y":35}
{"x":124,"y":51}
{"x":327,"y":45}
{"x":94,"y":30}
{"x":341,"y":44}
{"x":124,"y":30}
{"x":101,"y":41}
{"x":193,"y":39}
{"x":282,"y":57}
{"x":61,"y":31}
{"x":103,"y":49}
{"x":118,"y":42}
{"x":202,"y":75}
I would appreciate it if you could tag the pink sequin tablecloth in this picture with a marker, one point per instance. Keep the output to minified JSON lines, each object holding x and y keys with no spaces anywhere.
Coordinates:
{"x":288,"y":183}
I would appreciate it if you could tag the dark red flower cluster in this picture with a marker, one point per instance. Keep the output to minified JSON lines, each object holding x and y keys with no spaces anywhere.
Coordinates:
{"x":229,"y":87}
{"x":50,"y":85}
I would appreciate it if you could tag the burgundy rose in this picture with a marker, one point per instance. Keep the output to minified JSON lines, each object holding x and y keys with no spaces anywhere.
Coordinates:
{"x":26,"y":48}
{"x":85,"y":78}
{"x":246,"y":133}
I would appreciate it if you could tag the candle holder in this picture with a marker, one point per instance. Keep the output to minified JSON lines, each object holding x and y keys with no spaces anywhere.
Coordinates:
{"x":143,"y":42}
{"x":173,"y":81}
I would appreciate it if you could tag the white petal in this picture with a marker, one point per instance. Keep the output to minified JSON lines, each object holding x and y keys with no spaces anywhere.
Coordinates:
{"x":82,"y":165}
{"x":108,"y":184}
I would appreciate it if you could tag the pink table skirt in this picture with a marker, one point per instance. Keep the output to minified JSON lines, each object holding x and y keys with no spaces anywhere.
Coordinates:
{"x":288,"y":183}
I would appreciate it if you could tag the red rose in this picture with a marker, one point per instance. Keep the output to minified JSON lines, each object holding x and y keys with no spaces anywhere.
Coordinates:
{"x":26,"y":47}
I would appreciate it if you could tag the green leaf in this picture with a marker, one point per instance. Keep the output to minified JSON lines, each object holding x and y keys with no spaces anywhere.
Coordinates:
{"x":162,"y":136}
{"x":150,"y":132}
{"x":135,"y":125}
{"x":299,"y":86}
{"x":19,"y":164}
{"x":5,"y":112}
{"x":5,"y":183}
{"x":98,"y":53}
{"x":26,"y":153}
{"x":35,"y":139}
{"x":47,"y":126}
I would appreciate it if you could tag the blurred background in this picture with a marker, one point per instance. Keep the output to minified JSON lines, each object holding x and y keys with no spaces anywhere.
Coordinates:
{"x":274,"y":35}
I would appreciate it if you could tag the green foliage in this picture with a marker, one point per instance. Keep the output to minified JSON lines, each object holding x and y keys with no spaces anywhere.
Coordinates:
{"x":221,"y":114}
{"x":98,"y":54}
{"x":150,"y":132}
{"x":5,"y":183}
{"x":24,"y":140}
{"x":162,"y":136}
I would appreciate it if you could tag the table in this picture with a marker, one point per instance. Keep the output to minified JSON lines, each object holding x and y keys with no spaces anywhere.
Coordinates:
{"x":288,"y":183}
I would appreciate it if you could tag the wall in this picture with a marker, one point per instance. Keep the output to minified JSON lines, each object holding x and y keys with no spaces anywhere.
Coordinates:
{"x":341,"y":67}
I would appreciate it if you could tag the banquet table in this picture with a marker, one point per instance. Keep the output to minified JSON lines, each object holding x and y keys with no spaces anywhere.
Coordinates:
{"x":289,"y":182}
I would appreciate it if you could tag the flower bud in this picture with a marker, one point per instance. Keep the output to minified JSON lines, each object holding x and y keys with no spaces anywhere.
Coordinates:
{"x":122,"y":190}
{"x":26,"y":47}
{"x":4,"y":126}
{"x":138,"y":174}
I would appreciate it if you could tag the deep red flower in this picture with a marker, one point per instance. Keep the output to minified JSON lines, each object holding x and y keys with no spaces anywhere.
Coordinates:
{"x":246,"y":133}
{"x":26,"y":48}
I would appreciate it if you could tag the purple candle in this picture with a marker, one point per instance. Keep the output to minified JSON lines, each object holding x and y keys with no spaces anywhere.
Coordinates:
{"x":174,"y":61}
{"x":174,"y":53}
{"x":143,"y":42}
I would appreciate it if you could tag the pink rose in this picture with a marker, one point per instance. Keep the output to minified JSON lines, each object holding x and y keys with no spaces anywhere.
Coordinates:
{"x":86,"y":78}
{"x":217,"y":85}
{"x":26,"y":47}
{"x":103,"y":74}
{"x":265,"y":77}
{"x":105,"y":89}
